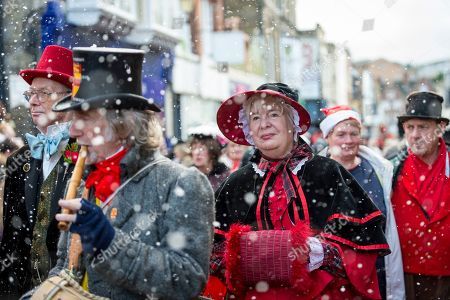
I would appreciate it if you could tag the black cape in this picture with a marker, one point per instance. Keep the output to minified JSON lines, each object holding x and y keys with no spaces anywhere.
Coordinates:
{"x":339,"y":209}
{"x":23,"y":183}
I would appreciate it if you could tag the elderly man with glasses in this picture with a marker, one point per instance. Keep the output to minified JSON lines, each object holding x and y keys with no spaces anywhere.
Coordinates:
{"x":36,"y":176}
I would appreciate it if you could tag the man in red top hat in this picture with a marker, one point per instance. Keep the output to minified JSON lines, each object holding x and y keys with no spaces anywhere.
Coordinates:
{"x":36,"y":176}
{"x":421,"y":198}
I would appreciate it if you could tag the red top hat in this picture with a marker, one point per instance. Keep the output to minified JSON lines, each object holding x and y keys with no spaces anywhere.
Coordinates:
{"x":55,"y":64}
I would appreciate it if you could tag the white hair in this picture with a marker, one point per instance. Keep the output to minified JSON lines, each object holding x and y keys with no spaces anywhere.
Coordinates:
{"x":136,"y":127}
{"x":244,"y":114}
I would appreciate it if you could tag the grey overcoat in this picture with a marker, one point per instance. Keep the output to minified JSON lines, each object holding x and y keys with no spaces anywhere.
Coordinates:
{"x":163,"y":221}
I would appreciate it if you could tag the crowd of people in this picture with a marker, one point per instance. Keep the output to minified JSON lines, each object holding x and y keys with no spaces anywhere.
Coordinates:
{"x":254,"y":207}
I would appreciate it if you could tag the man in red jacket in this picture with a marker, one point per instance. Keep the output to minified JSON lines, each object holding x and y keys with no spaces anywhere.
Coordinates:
{"x":421,"y":198}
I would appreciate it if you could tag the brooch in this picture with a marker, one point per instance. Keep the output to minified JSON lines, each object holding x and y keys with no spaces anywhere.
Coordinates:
{"x":26,"y":167}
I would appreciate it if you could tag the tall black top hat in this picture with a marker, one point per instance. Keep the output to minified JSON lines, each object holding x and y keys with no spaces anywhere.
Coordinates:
{"x":106,"y":78}
{"x":423,"y":105}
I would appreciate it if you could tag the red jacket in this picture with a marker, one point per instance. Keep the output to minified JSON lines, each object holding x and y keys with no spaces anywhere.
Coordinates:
{"x":425,"y":240}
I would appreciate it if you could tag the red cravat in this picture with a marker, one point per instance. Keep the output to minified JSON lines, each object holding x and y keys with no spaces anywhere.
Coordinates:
{"x":105,"y":179}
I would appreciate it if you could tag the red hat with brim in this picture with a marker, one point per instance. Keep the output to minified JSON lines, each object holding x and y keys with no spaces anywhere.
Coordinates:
{"x":228,"y":114}
{"x":56,"y":64}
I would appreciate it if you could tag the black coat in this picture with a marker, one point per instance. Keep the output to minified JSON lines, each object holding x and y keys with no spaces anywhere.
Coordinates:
{"x":329,"y":189}
{"x":23,"y":182}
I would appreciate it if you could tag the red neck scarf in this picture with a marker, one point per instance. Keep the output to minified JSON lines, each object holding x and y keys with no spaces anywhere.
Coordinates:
{"x":235,"y":165}
{"x":426,"y":183}
{"x":106,"y":177}
{"x":296,"y":206}
{"x":286,"y":165}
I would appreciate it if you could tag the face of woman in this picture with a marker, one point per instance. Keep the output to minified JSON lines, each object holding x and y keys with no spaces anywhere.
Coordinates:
{"x":344,"y":140}
{"x":235,"y":151}
{"x":200,"y":156}
{"x":271,"y":128}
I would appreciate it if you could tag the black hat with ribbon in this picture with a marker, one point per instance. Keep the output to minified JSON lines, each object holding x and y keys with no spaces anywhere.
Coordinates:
{"x":106,"y":78}
{"x":423,"y":105}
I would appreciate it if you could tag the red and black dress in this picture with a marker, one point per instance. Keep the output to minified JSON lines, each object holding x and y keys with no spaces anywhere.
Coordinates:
{"x":272,"y":215}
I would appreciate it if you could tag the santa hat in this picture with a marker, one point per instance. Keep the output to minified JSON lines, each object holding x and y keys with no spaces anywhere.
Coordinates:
{"x":335,"y":115}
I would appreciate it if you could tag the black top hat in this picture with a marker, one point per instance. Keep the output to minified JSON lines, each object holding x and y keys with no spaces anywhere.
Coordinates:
{"x":423,"y":105}
{"x":106,"y":78}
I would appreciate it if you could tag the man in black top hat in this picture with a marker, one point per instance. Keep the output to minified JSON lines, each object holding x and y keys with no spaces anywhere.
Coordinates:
{"x":146,"y":224}
{"x":421,"y":198}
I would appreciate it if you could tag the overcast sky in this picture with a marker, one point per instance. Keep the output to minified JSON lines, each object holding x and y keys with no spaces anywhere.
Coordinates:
{"x":406,"y":31}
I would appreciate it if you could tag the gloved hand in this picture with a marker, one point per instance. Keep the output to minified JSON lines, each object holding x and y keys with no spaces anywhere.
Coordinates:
{"x":95,"y":231}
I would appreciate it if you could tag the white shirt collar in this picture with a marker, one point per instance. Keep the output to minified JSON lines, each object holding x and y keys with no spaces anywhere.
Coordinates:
{"x":297,"y":168}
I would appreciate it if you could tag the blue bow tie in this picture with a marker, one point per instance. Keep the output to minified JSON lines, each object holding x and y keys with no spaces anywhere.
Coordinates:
{"x":42,"y":144}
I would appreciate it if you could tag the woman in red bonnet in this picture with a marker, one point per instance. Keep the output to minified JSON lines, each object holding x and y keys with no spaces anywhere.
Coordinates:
{"x":291,"y":225}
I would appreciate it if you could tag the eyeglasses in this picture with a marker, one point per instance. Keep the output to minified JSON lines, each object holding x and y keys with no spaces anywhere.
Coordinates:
{"x":42,"y":95}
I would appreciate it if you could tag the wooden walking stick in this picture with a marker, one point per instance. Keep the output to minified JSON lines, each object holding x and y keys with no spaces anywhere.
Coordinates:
{"x":74,"y":183}
{"x":75,"y":242}
{"x":76,"y":248}
{"x":65,"y":285}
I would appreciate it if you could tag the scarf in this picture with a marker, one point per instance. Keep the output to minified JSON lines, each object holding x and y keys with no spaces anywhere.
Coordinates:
{"x":286,"y":165}
{"x":426,"y":184}
{"x":295,"y":199}
{"x":105,"y":178}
